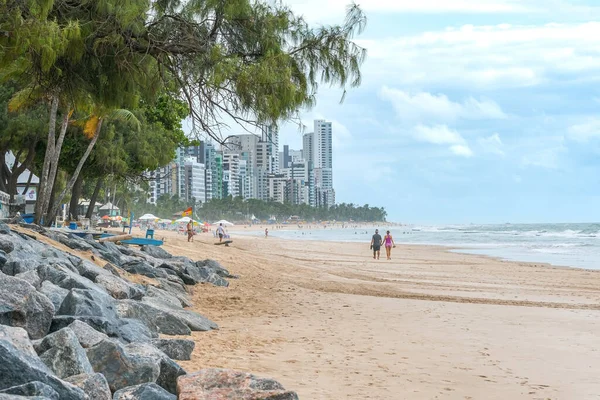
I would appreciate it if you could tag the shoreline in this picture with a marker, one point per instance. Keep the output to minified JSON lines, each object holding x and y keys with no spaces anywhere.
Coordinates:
{"x":328,"y":321}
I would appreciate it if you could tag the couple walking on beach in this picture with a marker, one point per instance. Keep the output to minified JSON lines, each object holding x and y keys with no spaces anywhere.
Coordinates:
{"x":376,"y":241}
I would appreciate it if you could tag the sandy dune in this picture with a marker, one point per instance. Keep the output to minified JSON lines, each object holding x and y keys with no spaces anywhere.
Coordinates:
{"x":332,"y":323}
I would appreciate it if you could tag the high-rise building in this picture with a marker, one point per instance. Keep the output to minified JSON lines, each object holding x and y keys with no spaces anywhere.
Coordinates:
{"x":231,"y":174}
{"x":323,"y":164}
{"x":270,"y":135}
{"x":194,"y":181}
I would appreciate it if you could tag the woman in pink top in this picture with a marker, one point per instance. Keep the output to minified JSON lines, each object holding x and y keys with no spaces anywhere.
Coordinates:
{"x":388,"y":241}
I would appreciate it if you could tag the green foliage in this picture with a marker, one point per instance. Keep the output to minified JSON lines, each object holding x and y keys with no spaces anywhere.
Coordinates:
{"x":238,"y":209}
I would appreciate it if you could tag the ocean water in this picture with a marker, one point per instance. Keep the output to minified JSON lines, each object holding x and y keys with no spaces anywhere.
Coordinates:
{"x":571,"y":245}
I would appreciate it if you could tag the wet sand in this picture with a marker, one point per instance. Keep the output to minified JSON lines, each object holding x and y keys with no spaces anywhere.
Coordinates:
{"x":332,"y":323}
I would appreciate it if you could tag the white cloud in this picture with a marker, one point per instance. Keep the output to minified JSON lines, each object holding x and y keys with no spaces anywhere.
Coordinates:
{"x":486,"y":56}
{"x":492,"y":144}
{"x":442,"y":135}
{"x":423,"y":105}
{"x":548,"y":158}
{"x":585,"y":131}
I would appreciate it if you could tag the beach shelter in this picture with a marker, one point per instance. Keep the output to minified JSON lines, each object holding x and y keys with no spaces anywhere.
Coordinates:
{"x":164,"y":221}
{"x":225,"y":223}
{"x":148,"y":217}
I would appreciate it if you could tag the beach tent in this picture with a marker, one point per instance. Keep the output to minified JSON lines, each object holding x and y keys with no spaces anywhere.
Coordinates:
{"x":184,"y":220}
{"x":148,"y":217}
{"x":225,"y":223}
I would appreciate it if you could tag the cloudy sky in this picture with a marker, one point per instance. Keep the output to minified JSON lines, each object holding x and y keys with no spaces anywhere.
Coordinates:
{"x":470,"y":110}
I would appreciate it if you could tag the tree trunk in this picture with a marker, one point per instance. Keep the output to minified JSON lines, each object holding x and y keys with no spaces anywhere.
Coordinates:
{"x":54,"y":161}
{"x":75,"y":195}
{"x":43,"y":193}
{"x":71,"y":182}
{"x":94,"y":197}
{"x":18,"y":169}
{"x":28,"y":182}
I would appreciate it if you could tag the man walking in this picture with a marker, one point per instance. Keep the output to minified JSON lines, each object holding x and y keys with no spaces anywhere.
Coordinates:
{"x":220,"y":232}
{"x":190,"y":231}
{"x":376,"y":244}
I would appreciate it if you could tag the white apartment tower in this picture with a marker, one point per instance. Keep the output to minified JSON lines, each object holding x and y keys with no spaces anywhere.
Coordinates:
{"x":322,"y":157}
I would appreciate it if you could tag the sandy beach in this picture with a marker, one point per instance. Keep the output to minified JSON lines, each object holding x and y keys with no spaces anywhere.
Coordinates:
{"x":330,"y":322}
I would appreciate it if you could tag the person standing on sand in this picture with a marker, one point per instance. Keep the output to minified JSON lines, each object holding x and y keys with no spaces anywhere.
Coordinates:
{"x":376,"y":244}
{"x":266,"y":232}
{"x":190,"y":231}
{"x":220,"y":232}
{"x":388,"y":241}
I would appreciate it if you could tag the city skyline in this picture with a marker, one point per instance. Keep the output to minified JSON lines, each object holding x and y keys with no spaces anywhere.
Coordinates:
{"x":252,"y":167}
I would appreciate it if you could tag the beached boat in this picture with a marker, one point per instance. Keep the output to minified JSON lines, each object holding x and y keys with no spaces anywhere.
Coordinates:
{"x":137,"y":241}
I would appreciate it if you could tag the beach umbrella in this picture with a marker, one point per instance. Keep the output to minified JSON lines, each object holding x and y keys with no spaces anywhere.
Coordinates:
{"x":223,"y":222}
{"x":105,"y":217}
{"x":164,"y":221}
{"x":148,"y":217}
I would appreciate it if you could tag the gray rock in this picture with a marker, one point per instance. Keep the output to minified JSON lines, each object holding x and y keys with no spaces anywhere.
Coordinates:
{"x":90,"y":270}
{"x":146,"y":391}
{"x":112,"y":269}
{"x":18,"y":368}
{"x":31,"y":277}
{"x":4,"y":229}
{"x":215,"y":267}
{"x":153,"y":317}
{"x":71,"y":241}
{"x":82,"y":302}
{"x":19,"y":338}
{"x":133,"y":330}
{"x":94,"y":385}
{"x":176,"y":289}
{"x":195,"y":321}
{"x":177,"y":349}
{"x":6,"y":244}
{"x":169,"y":369}
{"x":54,"y":293}
{"x":3,"y":258}
{"x":140,"y":267}
{"x":63,"y":277}
{"x":32,"y":389}
{"x":206,"y":274}
{"x":162,"y":296}
{"x":213,"y":383}
{"x":103,"y":325}
{"x":16,"y":265}
{"x":21,"y":305}
{"x":156,"y":252}
{"x":118,"y":288}
{"x":86,"y":335}
{"x":119,"y":368}
{"x":63,"y":354}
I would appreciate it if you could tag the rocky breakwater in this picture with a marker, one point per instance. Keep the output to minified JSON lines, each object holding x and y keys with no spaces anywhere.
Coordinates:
{"x":71,"y":328}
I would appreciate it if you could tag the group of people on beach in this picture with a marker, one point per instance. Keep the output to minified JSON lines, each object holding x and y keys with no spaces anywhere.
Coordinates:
{"x":377,"y":241}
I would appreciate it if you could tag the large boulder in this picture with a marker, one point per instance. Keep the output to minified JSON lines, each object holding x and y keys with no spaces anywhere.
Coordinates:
{"x":90,"y":270}
{"x":156,"y":252}
{"x":30,"y":277}
{"x":153,"y":317}
{"x":54,"y":293}
{"x":18,"y":368}
{"x":120,"y":368}
{"x":195,"y":321}
{"x":133,"y":330}
{"x":169,"y":369}
{"x":16,"y":265}
{"x":140,"y":267}
{"x":104,"y":325}
{"x":162,"y":296}
{"x":63,"y":354}
{"x":19,"y":338}
{"x":23,"y":306}
{"x":86,"y":335}
{"x":62,"y":276}
{"x":223,"y":384}
{"x":84,"y":302}
{"x":145,"y":391}
{"x":3,"y":258}
{"x":176,"y":289}
{"x":177,"y":349}
{"x":216,"y":267}
{"x":94,"y":385}
{"x":119,"y":288}
{"x":32,"y":389}
{"x":6,"y":244}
